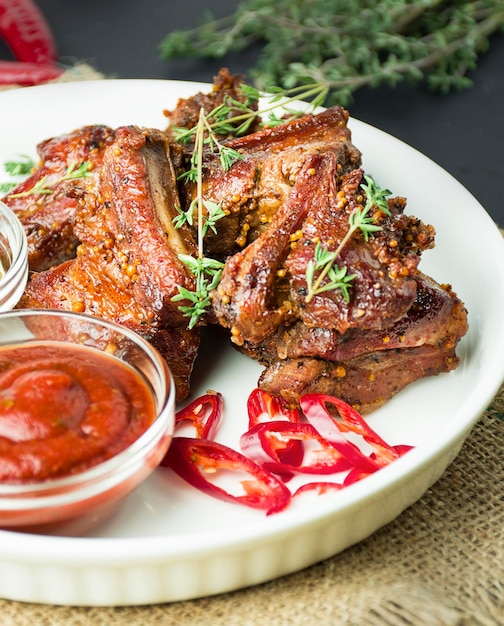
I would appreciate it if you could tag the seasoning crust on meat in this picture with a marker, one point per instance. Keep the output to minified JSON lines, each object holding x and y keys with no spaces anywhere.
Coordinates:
{"x":106,"y":244}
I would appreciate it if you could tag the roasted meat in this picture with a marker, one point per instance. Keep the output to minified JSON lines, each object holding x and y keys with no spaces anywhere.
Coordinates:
{"x":127,"y":269}
{"x":106,"y":244}
{"x":227,"y":88}
{"x":266,"y":283}
{"x":253,"y":189}
{"x":48,"y":217}
{"x":395,"y":326}
{"x":365,"y":368}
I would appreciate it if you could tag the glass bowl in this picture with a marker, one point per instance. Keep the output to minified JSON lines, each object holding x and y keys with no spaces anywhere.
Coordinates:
{"x":13,"y":258}
{"x":77,"y":499}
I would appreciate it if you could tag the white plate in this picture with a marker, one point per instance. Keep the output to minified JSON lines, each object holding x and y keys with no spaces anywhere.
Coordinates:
{"x":171,"y":543}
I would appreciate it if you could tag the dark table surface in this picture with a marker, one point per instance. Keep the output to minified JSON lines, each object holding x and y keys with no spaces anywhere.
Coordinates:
{"x":462,"y":131}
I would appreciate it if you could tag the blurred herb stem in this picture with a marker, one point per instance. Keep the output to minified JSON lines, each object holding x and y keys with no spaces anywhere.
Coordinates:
{"x":347,"y":45}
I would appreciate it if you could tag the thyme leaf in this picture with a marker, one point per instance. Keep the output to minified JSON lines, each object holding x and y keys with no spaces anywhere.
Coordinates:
{"x":324,"y":261}
{"x":23,"y":167}
{"x":17,"y":170}
{"x":226,"y":121}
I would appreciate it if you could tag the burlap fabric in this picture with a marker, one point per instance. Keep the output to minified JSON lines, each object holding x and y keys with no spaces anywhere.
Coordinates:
{"x":440,"y":563}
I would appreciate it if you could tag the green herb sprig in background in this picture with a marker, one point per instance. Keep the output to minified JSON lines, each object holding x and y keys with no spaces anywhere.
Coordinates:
{"x":347,"y":45}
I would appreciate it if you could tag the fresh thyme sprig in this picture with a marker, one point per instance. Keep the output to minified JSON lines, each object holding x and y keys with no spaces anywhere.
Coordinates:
{"x":349,"y":45}
{"x":23,"y":167}
{"x":225,"y":119}
{"x":46,"y":184}
{"x":207,"y":271}
{"x":324,"y":260}
{"x":17,"y":170}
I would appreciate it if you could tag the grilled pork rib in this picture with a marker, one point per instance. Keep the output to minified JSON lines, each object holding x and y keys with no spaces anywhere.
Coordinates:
{"x":48,"y":218}
{"x":365,"y":367}
{"x":106,"y":245}
{"x":266,"y":284}
{"x":253,"y":189}
{"x":127,"y":268}
{"x":397,"y":325}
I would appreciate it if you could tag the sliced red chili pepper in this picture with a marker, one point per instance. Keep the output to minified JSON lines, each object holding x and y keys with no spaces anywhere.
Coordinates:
{"x":198,"y":460}
{"x":402,"y":448}
{"x":264,"y":448}
{"x":265,"y":442}
{"x":26,"y":31}
{"x":355,"y":475}
{"x":330,"y":427}
{"x":315,"y":411}
{"x":262,"y":406}
{"x":27,"y":74}
{"x":320,"y":487}
{"x":205,"y":414}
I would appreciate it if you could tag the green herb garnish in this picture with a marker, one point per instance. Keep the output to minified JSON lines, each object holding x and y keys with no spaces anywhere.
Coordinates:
{"x":324,"y":260}
{"x":17,"y":170}
{"x":225,"y":120}
{"x":206,"y":270}
{"x":20,"y":168}
{"x":45,"y":185}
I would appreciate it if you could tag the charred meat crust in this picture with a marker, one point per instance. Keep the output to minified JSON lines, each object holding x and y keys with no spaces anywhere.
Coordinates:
{"x":257,"y":185}
{"x":365,"y":368}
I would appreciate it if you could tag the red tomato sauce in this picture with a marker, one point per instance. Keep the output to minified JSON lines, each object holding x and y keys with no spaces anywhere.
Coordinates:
{"x":64,"y":409}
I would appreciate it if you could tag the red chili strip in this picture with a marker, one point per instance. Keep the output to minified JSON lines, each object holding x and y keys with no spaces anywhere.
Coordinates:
{"x":205,"y":414}
{"x":26,"y":31}
{"x":315,"y":411}
{"x":265,"y":443}
{"x":333,"y":428}
{"x":355,"y":475}
{"x":320,"y":487}
{"x":27,"y":74}
{"x":262,"y":406}
{"x":197,"y":461}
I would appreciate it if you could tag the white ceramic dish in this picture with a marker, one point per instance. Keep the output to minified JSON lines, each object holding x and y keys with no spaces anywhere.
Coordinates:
{"x":169,"y":542}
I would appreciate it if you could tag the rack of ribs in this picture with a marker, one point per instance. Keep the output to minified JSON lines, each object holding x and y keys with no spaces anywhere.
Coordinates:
{"x":106,"y":245}
{"x":396,"y":326}
{"x":126,"y":268}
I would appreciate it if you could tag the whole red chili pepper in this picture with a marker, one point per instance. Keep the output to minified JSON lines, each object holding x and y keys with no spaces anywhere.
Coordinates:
{"x":27,"y":74}
{"x":198,"y":460}
{"x":26,"y":31}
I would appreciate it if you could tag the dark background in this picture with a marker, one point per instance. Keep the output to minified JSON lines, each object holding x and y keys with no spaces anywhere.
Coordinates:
{"x":462,"y":131}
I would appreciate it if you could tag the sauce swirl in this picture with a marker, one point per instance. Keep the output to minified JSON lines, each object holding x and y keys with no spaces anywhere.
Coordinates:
{"x":65,"y":408}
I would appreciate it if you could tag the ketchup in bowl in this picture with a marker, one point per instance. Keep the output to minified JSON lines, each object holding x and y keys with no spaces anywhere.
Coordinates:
{"x":87,"y":412}
{"x":66,"y":408}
